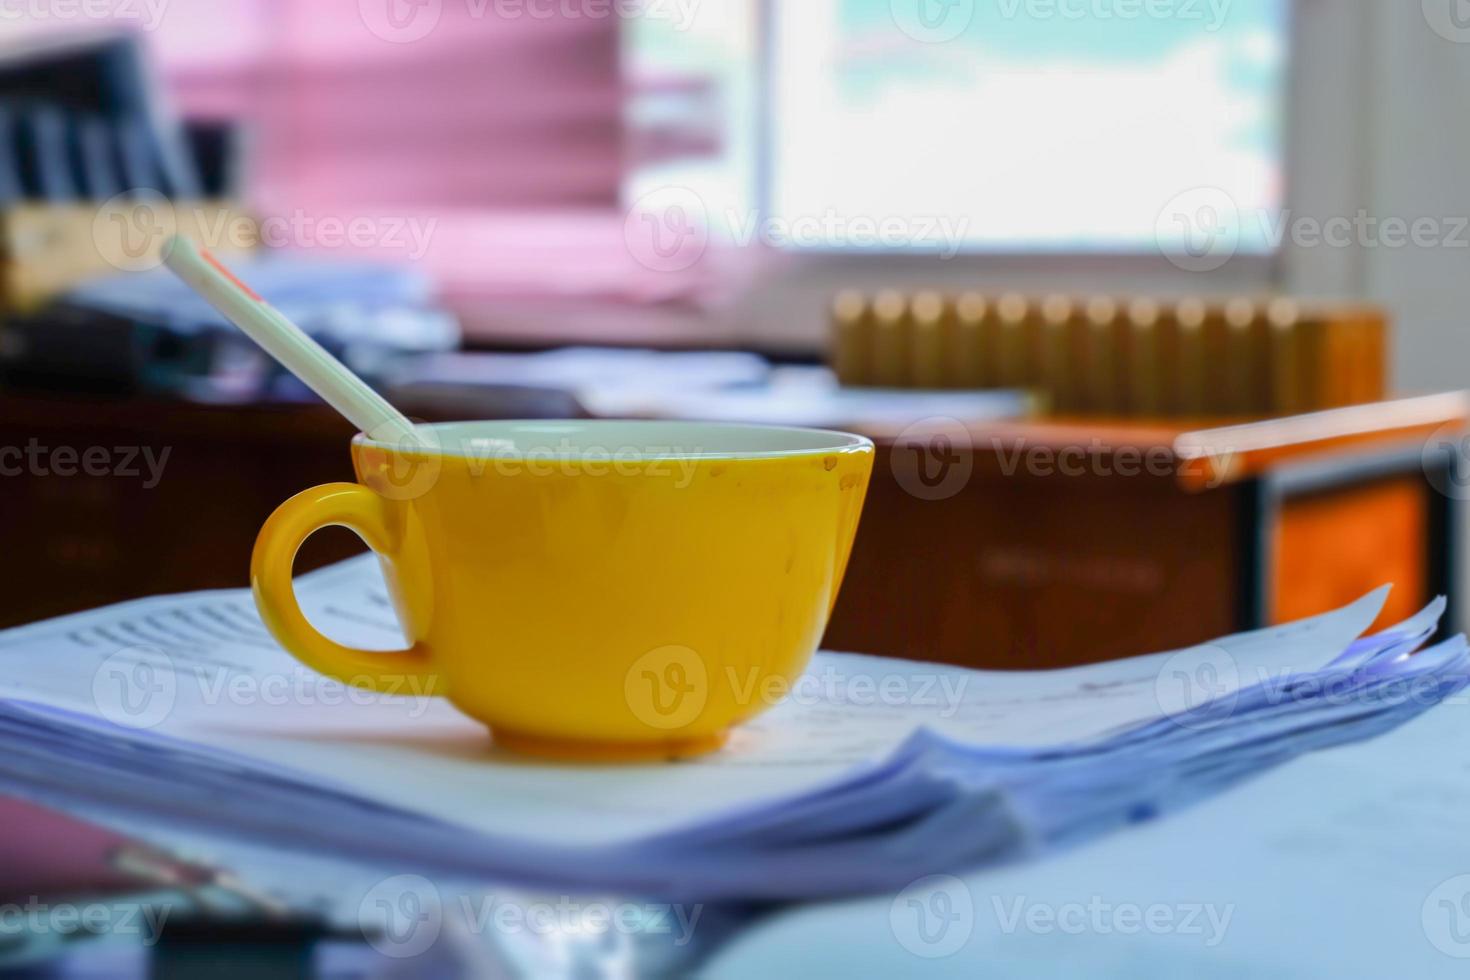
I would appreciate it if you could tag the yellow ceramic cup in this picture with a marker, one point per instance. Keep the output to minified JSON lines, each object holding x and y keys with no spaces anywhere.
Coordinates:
{"x":588,"y":590}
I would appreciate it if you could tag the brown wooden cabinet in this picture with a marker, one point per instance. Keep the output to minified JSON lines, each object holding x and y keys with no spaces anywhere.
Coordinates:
{"x":1074,"y":542}
{"x":1027,"y":561}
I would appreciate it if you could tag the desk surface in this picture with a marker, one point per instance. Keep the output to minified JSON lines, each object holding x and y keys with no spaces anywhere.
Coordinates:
{"x":1351,"y":863}
{"x":1208,"y":452}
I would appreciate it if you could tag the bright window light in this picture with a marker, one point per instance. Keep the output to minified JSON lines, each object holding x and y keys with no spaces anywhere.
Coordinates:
{"x":1066,"y":126}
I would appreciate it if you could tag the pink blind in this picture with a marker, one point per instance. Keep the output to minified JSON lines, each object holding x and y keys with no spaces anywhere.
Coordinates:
{"x":500,"y":136}
{"x":474,"y":104}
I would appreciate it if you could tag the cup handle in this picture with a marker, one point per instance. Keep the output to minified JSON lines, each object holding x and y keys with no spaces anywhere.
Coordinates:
{"x":368,"y":515}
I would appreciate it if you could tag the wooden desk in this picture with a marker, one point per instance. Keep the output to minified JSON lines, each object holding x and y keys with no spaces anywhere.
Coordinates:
{"x":79,"y":541}
{"x":1051,"y":553}
{"x":1019,"y":565}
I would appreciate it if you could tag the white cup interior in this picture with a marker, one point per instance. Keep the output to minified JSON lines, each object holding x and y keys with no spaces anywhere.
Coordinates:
{"x":626,"y":440}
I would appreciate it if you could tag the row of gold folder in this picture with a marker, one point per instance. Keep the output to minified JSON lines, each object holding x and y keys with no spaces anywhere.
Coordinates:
{"x":1101,"y":355}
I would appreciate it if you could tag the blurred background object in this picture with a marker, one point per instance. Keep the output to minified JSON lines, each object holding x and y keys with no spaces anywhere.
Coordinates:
{"x":1100,"y":356}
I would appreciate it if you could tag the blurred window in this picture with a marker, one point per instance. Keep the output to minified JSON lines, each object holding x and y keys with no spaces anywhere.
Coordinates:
{"x":1026,"y":126}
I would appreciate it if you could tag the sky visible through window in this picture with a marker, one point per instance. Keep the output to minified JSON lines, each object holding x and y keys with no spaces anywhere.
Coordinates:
{"x":1028,"y":125}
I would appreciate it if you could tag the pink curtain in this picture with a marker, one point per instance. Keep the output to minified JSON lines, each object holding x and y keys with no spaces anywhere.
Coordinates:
{"x":485,"y":109}
{"x":505,"y":132}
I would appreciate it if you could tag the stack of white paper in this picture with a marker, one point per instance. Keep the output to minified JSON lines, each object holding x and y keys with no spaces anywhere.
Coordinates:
{"x":871,"y":773}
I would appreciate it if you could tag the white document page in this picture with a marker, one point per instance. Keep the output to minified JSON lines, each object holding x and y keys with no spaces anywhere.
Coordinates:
{"x":202,"y":667}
